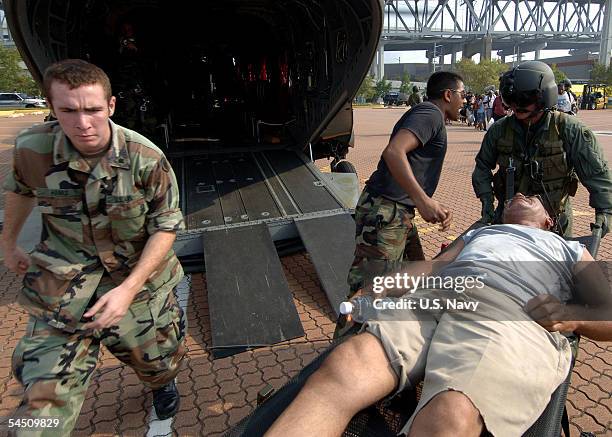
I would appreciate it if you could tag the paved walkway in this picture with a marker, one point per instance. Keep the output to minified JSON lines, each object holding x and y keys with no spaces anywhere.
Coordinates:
{"x":216,"y":395}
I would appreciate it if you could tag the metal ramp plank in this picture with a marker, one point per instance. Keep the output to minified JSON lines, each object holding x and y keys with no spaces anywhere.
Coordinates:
{"x":286,"y":203}
{"x":258,"y":201}
{"x":307,"y":191}
{"x":202,"y":203}
{"x":248,"y":296}
{"x":227,"y":184}
{"x":330,"y":241}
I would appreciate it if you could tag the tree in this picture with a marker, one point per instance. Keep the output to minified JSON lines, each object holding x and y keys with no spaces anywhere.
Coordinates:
{"x":600,"y":75}
{"x":366,"y":89}
{"x":559,"y":75}
{"x":477,"y":77}
{"x":382,"y":87}
{"x":405,"y":86}
{"x":12,"y":76}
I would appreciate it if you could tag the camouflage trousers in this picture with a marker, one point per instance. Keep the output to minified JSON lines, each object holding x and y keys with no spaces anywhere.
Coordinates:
{"x":55,"y":367}
{"x":385,"y":238}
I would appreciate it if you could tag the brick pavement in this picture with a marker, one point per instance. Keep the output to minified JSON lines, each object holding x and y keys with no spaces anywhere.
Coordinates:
{"x":216,"y":395}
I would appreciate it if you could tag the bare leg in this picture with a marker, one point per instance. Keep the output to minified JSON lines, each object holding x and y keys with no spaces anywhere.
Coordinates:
{"x":448,"y":414}
{"x":356,"y":374}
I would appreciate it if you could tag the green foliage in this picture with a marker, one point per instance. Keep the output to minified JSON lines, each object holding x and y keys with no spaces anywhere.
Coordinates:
{"x":12,"y":76}
{"x":405,"y":87}
{"x":479,"y":76}
{"x":382,"y":87}
{"x":559,"y":75}
{"x":602,"y":75}
{"x":366,"y":90}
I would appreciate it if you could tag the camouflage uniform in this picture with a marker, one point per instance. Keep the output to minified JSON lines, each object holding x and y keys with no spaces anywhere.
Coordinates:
{"x":560,"y":152}
{"x":414,"y":99}
{"x":96,"y":223}
{"x":385,"y":237}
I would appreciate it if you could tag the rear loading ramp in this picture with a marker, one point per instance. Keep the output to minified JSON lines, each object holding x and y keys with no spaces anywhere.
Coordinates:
{"x":242,"y":189}
{"x":231,"y":203}
{"x":248,"y":296}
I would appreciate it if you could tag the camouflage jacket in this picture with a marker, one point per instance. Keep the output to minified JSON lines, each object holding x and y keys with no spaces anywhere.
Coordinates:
{"x":94,"y":220}
{"x":580,"y":155}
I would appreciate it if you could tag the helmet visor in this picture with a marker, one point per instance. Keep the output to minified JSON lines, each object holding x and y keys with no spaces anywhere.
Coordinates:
{"x":521,"y":99}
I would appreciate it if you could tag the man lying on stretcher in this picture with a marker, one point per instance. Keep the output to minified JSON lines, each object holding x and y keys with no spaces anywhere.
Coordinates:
{"x":491,"y":368}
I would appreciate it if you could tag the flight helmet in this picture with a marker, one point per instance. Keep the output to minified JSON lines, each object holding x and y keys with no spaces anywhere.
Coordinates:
{"x":528,"y":83}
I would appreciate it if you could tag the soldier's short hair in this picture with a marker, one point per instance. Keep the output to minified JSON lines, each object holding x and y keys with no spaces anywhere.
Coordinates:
{"x":441,"y":81}
{"x":76,"y":73}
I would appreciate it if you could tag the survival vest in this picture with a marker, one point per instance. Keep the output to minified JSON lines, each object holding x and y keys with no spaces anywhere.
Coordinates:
{"x":541,"y":168}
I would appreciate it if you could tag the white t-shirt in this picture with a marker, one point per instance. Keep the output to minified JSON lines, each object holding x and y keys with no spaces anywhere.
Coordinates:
{"x":521,"y":261}
{"x":488,"y":101}
{"x":564,"y":102}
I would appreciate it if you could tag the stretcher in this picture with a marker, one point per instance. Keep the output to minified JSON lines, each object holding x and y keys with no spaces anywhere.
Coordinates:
{"x":387,"y":417}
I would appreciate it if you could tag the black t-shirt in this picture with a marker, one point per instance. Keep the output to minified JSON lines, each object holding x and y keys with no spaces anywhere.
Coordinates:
{"x":425,"y":121}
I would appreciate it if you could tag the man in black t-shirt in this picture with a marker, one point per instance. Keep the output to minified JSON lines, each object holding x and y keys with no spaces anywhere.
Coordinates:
{"x":405,"y":180}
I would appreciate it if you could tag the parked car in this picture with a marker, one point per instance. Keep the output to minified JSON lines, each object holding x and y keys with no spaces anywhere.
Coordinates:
{"x":395,"y":98}
{"x":19,"y":101}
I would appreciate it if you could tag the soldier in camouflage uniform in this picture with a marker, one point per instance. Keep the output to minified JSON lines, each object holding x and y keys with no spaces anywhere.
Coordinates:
{"x":405,"y":180}
{"x":104,"y":271}
{"x":540,"y":151}
{"x":415,"y":97}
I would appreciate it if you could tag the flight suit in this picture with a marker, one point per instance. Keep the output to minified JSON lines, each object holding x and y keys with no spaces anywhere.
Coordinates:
{"x":548,"y":161}
{"x":95,"y":224}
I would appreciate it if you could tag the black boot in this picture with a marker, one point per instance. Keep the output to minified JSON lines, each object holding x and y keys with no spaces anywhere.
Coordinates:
{"x":166,"y":401}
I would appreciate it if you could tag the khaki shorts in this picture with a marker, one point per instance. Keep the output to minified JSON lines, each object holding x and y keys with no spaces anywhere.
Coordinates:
{"x":504,"y":362}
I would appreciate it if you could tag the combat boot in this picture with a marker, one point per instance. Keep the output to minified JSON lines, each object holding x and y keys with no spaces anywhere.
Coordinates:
{"x":166,"y":401}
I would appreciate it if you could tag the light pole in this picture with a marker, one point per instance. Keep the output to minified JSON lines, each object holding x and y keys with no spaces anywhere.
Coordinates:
{"x":437,"y":50}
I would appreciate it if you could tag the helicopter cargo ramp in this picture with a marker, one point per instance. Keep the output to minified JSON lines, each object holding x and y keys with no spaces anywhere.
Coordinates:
{"x":236,"y":207}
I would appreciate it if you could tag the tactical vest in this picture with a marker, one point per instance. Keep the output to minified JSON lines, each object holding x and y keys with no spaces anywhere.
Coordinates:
{"x":547,"y":172}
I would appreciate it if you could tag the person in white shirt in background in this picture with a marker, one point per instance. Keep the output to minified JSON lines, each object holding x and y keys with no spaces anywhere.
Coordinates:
{"x":564,"y":99}
{"x":488,"y":101}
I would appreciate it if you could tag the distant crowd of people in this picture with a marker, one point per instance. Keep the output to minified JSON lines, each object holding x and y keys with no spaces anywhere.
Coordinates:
{"x":480,"y":110}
